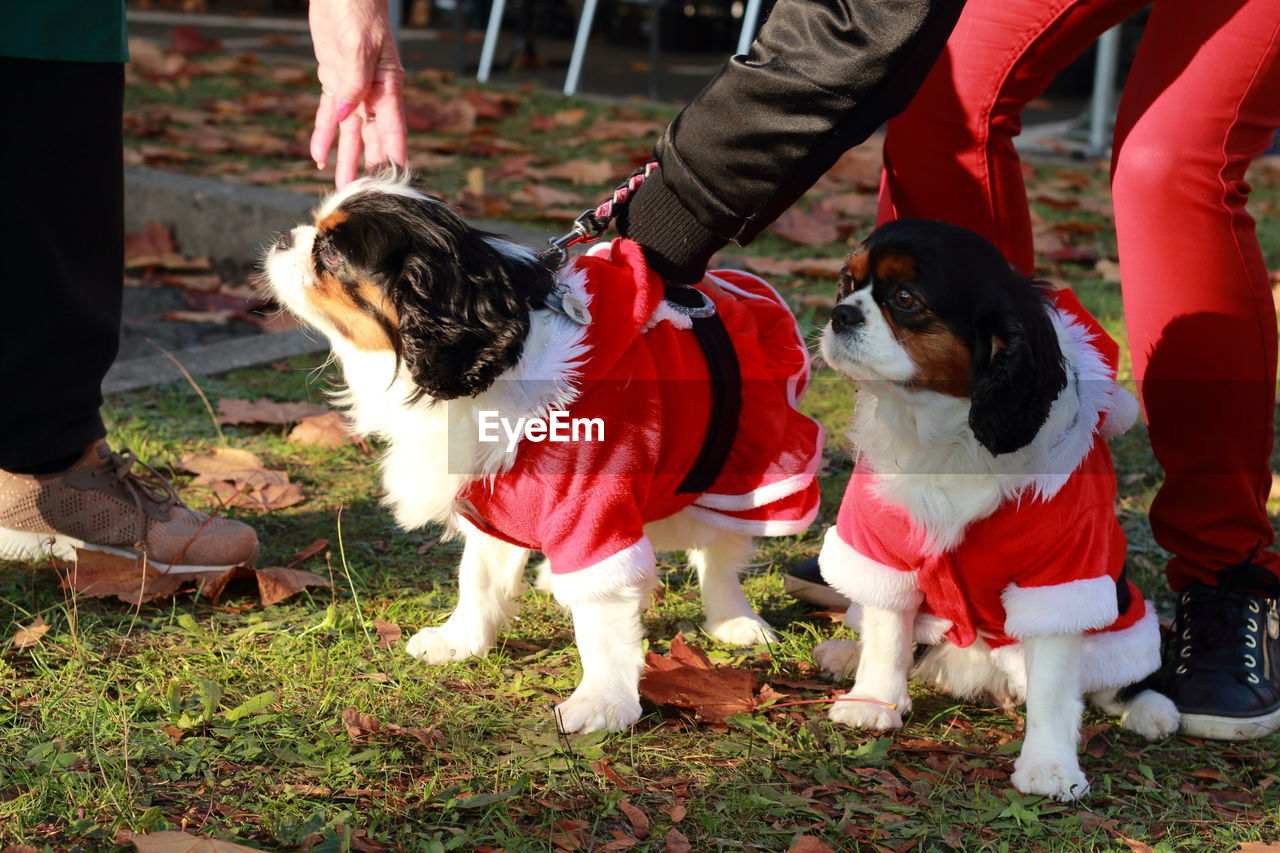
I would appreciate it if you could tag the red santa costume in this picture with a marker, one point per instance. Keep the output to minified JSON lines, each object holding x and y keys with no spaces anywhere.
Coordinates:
{"x":638,"y":368}
{"x":1048,"y":560}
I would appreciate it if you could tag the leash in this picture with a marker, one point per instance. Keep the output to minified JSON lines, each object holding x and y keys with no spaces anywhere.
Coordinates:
{"x":723,"y":369}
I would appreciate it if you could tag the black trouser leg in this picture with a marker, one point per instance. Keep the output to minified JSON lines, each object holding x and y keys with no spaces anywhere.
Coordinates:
{"x":62,"y":236}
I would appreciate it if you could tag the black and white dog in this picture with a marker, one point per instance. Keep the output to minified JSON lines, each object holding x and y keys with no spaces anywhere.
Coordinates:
{"x":443,"y":332}
{"x":979,"y":520}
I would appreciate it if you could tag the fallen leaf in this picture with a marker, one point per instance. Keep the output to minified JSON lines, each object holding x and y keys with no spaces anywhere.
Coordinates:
{"x":1073,"y":255}
{"x":179,"y":842}
{"x":131,"y":580}
{"x":864,"y":205}
{"x":688,"y":679}
{"x":30,"y":635}
{"x":606,"y":128}
{"x":814,"y":267}
{"x":1108,"y":269}
{"x":238,"y":479}
{"x":638,"y":819}
{"x":812,"y":228}
{"x":542,"y":196}
{"x":675,"y":811}
{"x":264,"y":411}
{"x":220,"y":318}
{"x":359,"y":725}
{"x":808,"y":844}
{"x":388,"y":634}
{"x":275,"y":584}
{"x":569,"y":118}
{"x":187,"y":40}
{"x":330,"y":430}
{"x":582,"y":172}
{"x":1259,"y":847}
{"x":675,"y":842}
{"x":1134,"y":845}
{"x":308,"y":552}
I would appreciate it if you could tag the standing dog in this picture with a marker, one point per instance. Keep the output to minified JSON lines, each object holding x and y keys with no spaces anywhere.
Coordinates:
{"x":979,"y":519}
{"x":465,"y":355}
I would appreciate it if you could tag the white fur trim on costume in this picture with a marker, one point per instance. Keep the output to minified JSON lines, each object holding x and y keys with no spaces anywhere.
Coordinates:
{"x":865,"y":581}
{"x":1122,"y":415}
{"x":1065,"y":608}
{"x":767,"y":494}
{"x":1108,"y":658}
{"x":928,"y":630}
{"x":664,"y":313}
{"x":631,"y":568}
{"x":751,"y":526}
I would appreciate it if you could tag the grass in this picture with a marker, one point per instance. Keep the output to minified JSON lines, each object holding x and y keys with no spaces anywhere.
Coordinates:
{"x":226,"y":719}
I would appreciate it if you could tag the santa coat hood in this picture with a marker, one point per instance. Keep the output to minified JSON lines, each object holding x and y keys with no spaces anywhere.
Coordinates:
{"x":1047,"y":561}
{"x":638,"y":368}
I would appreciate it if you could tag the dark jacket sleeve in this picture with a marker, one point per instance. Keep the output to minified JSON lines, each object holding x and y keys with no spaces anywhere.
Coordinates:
{"x":821,"y":76}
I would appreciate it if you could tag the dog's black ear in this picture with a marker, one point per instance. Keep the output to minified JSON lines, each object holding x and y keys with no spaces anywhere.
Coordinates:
{"x":463,"y":312}
{"x":1017,"y":374}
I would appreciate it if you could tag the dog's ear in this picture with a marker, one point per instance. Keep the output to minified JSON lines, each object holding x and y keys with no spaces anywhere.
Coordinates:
{"x":463,"y":310}
{"x":1017,"y":374}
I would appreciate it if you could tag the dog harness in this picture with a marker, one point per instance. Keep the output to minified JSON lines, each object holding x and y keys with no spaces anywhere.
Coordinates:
{"x":643,"y":373}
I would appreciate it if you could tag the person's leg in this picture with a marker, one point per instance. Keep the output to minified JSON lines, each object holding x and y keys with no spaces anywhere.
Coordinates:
{"x":950,"y":155}
{"x":64,"y":257}
{"x":1202,"y":100}
{"x":62,"y":231}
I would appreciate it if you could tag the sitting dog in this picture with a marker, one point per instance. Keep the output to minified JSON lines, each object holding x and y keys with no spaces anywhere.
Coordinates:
{"x":979,"y":519}
{"x":464,"y":353}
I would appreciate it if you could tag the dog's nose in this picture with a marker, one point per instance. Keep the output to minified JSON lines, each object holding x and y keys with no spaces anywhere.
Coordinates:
{"x":284,"y":241}
{"x":846,"y":317}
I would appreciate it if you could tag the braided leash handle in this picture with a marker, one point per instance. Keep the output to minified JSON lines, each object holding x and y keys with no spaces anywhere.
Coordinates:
{"x":592,"y":223}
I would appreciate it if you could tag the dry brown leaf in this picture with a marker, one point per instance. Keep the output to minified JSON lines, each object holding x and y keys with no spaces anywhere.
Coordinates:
{"x":542,"y":197}
{"x":606,"y":128}
{"x":388,"y":633}
{"x":863,"y":205}
{"x":359,"y":724}
{"x":812,"y":267}
{"x":675,"y":811}
{"x":30,"y":635}
{"x":583,"y":172}
{"x":675,"y":842}
{"x":179,"y":842}
{"x":1259,"y":847}
{"x":276,"y":583}
{"x":813,"y":228}
{"x":808,"y":844}
{"x":264,"y":411}
{"x":237,"y":478}
{"x":569,"y":118}
{"x":329,"y":430}
{"x":638,"y":819}
{"x":688,"y":679}
{"x":308,"y":552}
{"x":1134,"y":845}
{"x":101,"y":575}
{"x":1108,"y":269}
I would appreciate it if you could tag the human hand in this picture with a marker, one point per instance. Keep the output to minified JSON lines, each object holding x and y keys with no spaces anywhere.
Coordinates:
{"x":362,"y":86}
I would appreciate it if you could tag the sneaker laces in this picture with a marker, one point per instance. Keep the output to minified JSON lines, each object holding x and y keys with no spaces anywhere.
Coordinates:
{"x":151,"y":491}
{"x":1219,"y":627}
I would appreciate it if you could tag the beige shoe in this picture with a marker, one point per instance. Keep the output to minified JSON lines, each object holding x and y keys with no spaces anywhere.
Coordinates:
{"x":102,"y":504}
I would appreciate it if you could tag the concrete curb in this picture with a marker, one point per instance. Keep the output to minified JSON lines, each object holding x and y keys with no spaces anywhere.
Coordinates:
{"x":233,"y":222}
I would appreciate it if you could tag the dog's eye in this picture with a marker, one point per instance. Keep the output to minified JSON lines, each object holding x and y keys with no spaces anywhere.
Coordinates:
{"x":328,"y":255}
{"x":904,"y":300}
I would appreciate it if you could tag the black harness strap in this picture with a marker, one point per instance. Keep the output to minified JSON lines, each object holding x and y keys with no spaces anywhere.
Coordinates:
{"x":725,"y":378}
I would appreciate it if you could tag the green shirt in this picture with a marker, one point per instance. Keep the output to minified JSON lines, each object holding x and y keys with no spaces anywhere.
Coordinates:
{"x":70,"y":30}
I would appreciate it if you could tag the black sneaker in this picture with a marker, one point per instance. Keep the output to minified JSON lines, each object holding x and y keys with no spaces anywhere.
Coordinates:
{"x":804,"y":581}
{"x":1223,"y":656}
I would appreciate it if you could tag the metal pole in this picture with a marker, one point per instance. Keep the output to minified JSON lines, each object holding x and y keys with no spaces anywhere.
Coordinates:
{"x":749,"y":19}
{"x":491,"y":40}
{"x":580,"y":47}
{"x":1105,"y":69}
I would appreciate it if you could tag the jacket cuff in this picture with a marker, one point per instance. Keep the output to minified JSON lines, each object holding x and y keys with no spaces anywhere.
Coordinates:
{"x":675,"y":245}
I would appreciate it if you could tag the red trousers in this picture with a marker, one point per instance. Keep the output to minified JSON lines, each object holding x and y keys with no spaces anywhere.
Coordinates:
{"x":1202,"y":100}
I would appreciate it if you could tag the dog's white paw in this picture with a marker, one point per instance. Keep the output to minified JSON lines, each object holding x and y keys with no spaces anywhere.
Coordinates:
{"x":435,"y":646}
{"x":589,"y":710}
{"x":1062,"y":780}
{"x":1152,"y":715}
{"x":837,"y":658}
{"x":741,"y":631}
{"x":867,"y":715}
